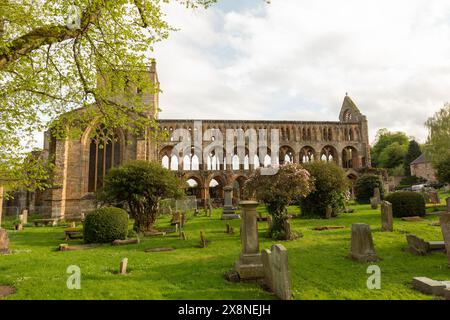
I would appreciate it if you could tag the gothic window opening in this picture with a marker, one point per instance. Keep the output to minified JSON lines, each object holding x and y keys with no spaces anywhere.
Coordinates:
{"x":104,"y":153}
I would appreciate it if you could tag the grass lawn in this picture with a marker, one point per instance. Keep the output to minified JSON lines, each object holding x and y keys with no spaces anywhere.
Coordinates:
{"x":318,"y":264}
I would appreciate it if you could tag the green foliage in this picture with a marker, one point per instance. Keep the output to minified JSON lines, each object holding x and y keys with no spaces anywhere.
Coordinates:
{"x":105,"y":225}
{"x":140,"y":186}
{"x":330,"y":186}
{"x":407,"y":204}
{"x":414,"y":151}
{"x":437,"y":147}
{"x":443,"y":170}
{"x":365,"y":185}
{"x":50,"y":66}
{"x":291,"y":183}
{"x":390,"y":149}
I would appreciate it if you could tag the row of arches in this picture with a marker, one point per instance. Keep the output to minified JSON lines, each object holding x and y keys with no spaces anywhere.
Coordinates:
{"x":347,"y":158}
{"x":291,"y":133}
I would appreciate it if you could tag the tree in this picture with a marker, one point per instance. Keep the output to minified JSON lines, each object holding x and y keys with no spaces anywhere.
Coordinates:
{"x":389,"y":149}
{"x":365,"y":186}
{"x":140,"y":186}
{"x":291,"y":182}
{"x":53,"y":54}
{"x":443,"y":170}
{"x":437,"y":147}
{"x":330,"y":186}
{"x":414,"y":151}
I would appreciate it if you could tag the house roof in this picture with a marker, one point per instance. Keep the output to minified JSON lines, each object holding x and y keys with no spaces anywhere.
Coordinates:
{"x":419,"y":160}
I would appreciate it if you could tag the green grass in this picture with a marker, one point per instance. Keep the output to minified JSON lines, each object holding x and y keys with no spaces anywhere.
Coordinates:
{"x":318,"y":265}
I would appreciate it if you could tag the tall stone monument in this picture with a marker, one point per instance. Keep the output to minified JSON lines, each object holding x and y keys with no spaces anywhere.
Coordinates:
{"x":4,"y":242}
{"x":228,"y":212}
{"x":249,"y":266}
{"x":386,"y":216}
{"x":362,"y":248}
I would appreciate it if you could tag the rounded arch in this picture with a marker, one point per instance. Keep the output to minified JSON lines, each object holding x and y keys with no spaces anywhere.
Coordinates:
{"x":286,"y":155}
{"x":195,"y":188}
{"x":216,"y":183}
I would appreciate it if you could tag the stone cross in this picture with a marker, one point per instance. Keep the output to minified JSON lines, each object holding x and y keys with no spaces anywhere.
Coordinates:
{"x":445,"y":226}
{"x":123,"y":266}
{"x":4,"y":241}
{"x":249,"y":265}
{"x":362,"y":248}
{"x":386,"y":216}
{"x":276,"y":271}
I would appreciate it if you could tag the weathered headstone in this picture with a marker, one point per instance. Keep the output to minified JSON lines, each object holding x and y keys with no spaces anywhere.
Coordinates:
{"x":328,"y":212}
{"x":228,"y":212}
{"x":362,"y":248}
{"x":203,"y":240}
{"x":269,"y":222}
{"x":445,"y":227}
{"x":434,"y":197}
{"x":387,"y":223}
{"x":430,"y":286}
{"x":373,"y":203}
{"x":24,"y":216}
{"x":276,"y":271}
{"x":4,"y":241}
{"x":123,"y":266}
{"x":417,"y":245}
{"x":377,"y":195}
{"x":249,"y":265}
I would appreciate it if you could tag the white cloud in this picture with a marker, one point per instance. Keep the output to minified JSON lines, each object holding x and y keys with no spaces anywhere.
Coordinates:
{"x":295,"y":59}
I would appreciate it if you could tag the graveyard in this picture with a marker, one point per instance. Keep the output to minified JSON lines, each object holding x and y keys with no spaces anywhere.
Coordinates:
{"x":168,"y":267}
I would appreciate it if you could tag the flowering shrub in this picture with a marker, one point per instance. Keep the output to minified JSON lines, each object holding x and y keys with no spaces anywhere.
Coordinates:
{"x":291,"y":183}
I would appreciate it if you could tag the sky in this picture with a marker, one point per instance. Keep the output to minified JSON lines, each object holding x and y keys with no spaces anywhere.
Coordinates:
{"x":296,"y":60}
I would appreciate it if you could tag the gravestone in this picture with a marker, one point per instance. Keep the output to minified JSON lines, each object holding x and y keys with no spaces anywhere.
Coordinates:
{"x":386,"y":216}
{"x":276,"y":271}
{"x":328,"y":212}
{"x":377,"y":195}
{"x":269,"y":222}
{"x":374,"y":203}
{"x":203,"y":240}
{"x":176,"y":218}
{"x":228,"y":211}
{"x":4,"y":241}
{"x":24,"y":216}
{"x":249,"y":265}
{"x":434,"y":197}
{"x":362,"y":248}
{"x":417,"y":245}
{"x":430,"y":286}
{"x":123,"y":266}
{"x":445,"y":227}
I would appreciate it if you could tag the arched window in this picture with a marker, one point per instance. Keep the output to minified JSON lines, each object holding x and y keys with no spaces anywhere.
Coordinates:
{"x":104,"y":153}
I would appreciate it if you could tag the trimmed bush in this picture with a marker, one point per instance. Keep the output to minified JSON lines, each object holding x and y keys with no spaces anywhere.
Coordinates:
{"x":407,"y":204}
{"x":365,"y":185}
{"x":330,"y":186}
{"x":105,"y":225}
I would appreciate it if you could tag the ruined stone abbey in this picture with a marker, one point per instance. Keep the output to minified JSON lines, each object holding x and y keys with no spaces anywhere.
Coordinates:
{"x":82,"y":163}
